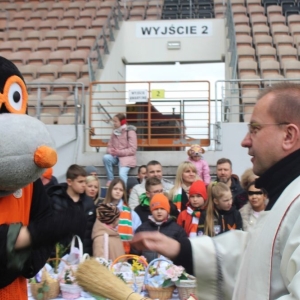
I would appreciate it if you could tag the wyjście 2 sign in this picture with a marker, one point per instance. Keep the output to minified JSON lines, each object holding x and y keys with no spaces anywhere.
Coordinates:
{"x":172,"y":29}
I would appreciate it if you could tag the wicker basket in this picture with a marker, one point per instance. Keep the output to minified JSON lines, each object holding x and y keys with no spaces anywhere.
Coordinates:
{"x":138,"y":281}
{"x":160,"y":292}
{"x":50,"y":282}
{"x":186,"y":288}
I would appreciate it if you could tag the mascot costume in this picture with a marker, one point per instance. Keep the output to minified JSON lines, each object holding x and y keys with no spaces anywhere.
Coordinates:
{"x":26,"y":216}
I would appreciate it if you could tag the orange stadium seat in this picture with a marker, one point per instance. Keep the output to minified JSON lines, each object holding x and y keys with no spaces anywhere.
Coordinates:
{"x":48,"y":24}
{"x":247,"y":67}
{"x":18,"y":58}
{"x":20,"y":15}
{"x":274,"y":10}
{"x":64,"y":24}
{"x":66,"y":45}
{"x":283,"y":40}
{"x":28,"y":6}
{"x":95,"y":5}
{"x":85,"y":44}
{"x":47,"y":45}
{"x":262,"y":40}
{"x":78,"y":57}
{"x":279,"y":30}
{"x":53,"y":35}
{"x":236,"y":10}
{"x":38,"y":57}
{"x":261,"y":30}
{"x":70,"y":71}
{"x":28,"y":72}
{"x":258,"y":20}
{"x":59,"y":57}
{"x":246,"y":53}
{"x":255,"y":10}
{"x":287,"y":53}
{"x":241,"y":20}
{"x":49,"y":71}
{"x":71,"y":15}
{"x":87,"y":13}
{"x":38,"y":15}
{"x":27,"y":46}
{"x":15,"y":25}
{"x":84,"y":23}
{"x":276,"y":20}
{"x":55,"y":14}
{"x":35,"y":35}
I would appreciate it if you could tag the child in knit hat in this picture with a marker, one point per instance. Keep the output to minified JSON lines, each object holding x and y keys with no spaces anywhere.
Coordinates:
{"x":160,"y":221}
{"x":106,"y":239}
{"x":189,"y":218}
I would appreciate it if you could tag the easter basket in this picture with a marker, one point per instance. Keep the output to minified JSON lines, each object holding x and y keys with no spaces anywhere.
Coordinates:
{"x":154,"y":282}
{"x":48,"y":288}
{"x":186,"y":288}
{"x":133,"y":274}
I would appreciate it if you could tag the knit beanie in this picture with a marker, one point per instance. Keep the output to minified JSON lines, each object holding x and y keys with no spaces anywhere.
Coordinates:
{"x":160,"y":201}
{"x":198,"y":187}
{"x":90,"y":169}
{"x":48,"y":173}
{"x":107,"y":213}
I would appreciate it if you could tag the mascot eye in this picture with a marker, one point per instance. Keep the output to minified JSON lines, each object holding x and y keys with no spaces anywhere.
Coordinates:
{"x":15,"y":96}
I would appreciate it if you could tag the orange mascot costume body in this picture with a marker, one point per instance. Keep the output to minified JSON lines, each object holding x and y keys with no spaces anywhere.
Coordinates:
{"x":26,"y":150}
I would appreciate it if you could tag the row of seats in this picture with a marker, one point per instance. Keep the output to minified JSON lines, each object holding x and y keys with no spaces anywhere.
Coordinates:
{"x":137,"y":13}
{"x":51,"y":72}
{"x":182,"y":9}
{"x":63,"y":24}
{"x":203,"y":14}
{"x":52,"y":35}
{"x":46,"y":6}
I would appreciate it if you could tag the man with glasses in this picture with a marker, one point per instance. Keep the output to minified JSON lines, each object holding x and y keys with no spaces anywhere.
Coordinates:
{"x":264,"y":264}
{"x":154,"y":169}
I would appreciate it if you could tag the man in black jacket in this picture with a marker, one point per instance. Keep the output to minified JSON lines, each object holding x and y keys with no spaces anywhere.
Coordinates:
{"x":224,"y":174}
{"x":71,"y":196}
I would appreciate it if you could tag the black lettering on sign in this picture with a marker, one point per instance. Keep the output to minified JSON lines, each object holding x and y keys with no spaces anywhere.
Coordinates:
{"x":155,"y":29}
{"x":193,"y":30}
{"x":158,"y":94}
{"x":204,"y":30}
{"x":172,"y":30}
{"x":180,"y":31}
{"x":165,"y":32}
{"x":146,"y":30}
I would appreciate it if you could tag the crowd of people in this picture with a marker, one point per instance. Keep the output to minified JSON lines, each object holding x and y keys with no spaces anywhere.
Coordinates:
{"x":193,"y":206}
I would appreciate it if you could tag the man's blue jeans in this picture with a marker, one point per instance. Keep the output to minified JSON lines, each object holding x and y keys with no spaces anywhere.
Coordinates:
{"x":109,"y":161}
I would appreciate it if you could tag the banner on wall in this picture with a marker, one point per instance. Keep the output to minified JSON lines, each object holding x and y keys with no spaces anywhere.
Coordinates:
{"x":164,"y":29}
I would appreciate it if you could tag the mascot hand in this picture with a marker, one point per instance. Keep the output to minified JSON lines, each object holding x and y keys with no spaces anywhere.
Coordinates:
{"x":56,"y":227}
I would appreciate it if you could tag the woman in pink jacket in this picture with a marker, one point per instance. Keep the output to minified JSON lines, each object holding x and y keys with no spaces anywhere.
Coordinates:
{"x":121,"y":149}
